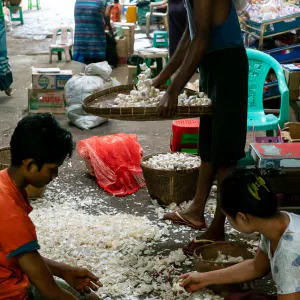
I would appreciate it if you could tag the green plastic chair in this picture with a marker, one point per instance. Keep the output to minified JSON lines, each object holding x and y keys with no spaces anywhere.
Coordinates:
{"x":12,"y":9}
{"x":37,"y":4}
{"x":259,"y":65}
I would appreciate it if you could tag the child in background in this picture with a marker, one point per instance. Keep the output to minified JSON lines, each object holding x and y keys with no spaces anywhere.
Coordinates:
{"x":38,"y":147}
{"x":116,"y":12}
{"x":250,"y":206}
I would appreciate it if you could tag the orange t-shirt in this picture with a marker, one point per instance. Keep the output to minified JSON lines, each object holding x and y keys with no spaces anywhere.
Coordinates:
{"x":17,"y":236}
{"x":115,"y":13}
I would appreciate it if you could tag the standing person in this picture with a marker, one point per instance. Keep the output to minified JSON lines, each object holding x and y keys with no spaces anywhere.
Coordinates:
{"x":90,"y":38}
{"x":177,"y":23}
{"x":250,"y":206}
{"x":6,"y":78}
{"x":38,"y":148}
{"x":213,"y":41}
{"x":116,"y":12}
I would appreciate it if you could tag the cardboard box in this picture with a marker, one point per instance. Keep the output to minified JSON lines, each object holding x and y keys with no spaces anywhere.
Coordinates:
{"x":122,"y":50}
{"x":131,"y":75}
{"x":50,"y":81}
{"x":42,"y":101}
{"x":292,"y":76}
{"x":128,"y":29}
{"x":291,"y":132}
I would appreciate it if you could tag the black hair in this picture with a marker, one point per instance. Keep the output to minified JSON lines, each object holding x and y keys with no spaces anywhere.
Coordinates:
{"x":41,"y":138}
{"x":235,"y":196}
{"x":116,"y":1}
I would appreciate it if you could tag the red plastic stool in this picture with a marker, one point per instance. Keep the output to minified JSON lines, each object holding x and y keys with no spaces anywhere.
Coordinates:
{"x":185,"y":135}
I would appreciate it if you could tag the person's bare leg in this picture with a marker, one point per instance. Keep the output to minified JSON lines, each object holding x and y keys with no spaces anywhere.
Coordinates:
{"x":195,"y":213}
{"x":216,"y":230}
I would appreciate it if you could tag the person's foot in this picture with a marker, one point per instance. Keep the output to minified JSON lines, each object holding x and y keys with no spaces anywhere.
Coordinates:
{"x":186,"y":218}
{"x":9,"y":92}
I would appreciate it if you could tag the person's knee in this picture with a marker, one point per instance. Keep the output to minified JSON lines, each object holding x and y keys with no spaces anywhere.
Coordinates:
{"x":93,"y":296}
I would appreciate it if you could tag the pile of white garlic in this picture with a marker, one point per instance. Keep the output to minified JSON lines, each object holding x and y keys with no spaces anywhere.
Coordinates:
{"x":228,"y":259}
{"x":146,"y":95}
{"x":119,"y":248}
{"x":173,"y":161}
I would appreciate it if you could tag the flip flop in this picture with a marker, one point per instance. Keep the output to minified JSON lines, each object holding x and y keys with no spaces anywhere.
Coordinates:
{"x":183,"y":221}
{"x":194,"y":244}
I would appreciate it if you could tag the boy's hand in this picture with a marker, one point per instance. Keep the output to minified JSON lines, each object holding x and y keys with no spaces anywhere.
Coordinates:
{"x":82,"y":280}
{"x":193,"y":281}
{"x":158,"y":81}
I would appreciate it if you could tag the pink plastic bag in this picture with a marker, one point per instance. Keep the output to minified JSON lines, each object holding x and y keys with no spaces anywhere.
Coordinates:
{"x":115,"y":161}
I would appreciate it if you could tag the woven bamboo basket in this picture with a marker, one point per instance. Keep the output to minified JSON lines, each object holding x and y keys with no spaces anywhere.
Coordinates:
{"x":206,"y":255}
{"x":204,"y":261}
{"x":106,"y":97}
{"x":5,"y":156}
{"x":170,"y":186}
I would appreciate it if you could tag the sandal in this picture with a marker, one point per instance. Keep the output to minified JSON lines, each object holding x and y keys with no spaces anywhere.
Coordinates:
{"x":181,"y":221}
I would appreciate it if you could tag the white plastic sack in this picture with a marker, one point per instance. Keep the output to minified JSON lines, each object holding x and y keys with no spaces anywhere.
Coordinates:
{"x":79,"y":87}
{"x":102,"y":69}
{"x":81,"y":119}
{"x":8,"y":23}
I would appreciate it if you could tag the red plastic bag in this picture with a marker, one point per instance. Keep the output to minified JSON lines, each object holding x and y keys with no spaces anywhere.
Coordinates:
{"x":115,"y":161}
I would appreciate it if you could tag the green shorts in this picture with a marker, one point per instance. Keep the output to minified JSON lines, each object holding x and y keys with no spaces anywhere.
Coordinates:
{"x":34,"y":294}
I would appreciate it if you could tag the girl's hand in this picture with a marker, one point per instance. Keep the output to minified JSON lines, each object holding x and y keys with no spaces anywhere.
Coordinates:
{"x":193,"y":281}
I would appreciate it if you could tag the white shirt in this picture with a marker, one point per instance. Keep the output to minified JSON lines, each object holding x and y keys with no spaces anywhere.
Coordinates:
{"x":285,"y":263}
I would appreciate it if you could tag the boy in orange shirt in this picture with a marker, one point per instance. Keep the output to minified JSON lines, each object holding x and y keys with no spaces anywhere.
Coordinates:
{"x":38,"y":147}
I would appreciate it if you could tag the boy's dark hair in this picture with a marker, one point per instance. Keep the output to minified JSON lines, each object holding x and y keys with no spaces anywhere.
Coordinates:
{"x":235,"y":196}
{"x":41,"y":138}
{"x":116,"y":1}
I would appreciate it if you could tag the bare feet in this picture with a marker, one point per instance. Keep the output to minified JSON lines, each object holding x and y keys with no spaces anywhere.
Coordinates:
{"x":186,"y":219}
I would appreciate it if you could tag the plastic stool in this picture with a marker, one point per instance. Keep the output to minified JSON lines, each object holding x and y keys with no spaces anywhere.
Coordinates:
{"x":185,"y":135}
{"x":158,"y":35}
{"x":18,"y":8}
{"x":36,"y":5}
{"x":150,"y":57}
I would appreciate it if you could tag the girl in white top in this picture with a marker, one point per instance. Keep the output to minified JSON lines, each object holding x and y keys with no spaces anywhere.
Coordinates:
{"x":250,"y":207}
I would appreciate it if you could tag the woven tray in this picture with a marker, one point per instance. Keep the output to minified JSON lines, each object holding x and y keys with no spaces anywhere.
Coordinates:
{"x":106,"y":97}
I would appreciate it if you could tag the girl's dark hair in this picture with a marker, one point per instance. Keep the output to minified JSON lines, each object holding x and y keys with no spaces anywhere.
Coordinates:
{"x":41,"y":138}
{"x":235,"y":196}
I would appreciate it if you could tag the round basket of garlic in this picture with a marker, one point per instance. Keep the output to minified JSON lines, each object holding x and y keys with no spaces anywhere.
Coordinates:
{"x":220,"y":255}
{"x":171,"y":177}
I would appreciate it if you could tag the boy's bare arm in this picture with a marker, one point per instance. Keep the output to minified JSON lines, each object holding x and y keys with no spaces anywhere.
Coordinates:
{"x":39,"y":274}
{"x":175,"y":61}
{"x":203,"y":16}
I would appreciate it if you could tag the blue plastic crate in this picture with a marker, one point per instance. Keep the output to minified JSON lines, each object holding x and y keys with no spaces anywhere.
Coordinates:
{"x":285,"y":54}
{"x":273,"y":90}
{"x":276,"y":27}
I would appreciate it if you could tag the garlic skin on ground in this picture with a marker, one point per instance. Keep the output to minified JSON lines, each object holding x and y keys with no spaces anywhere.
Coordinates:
{"x":147,"y":95}
{"x":173,"y":161}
